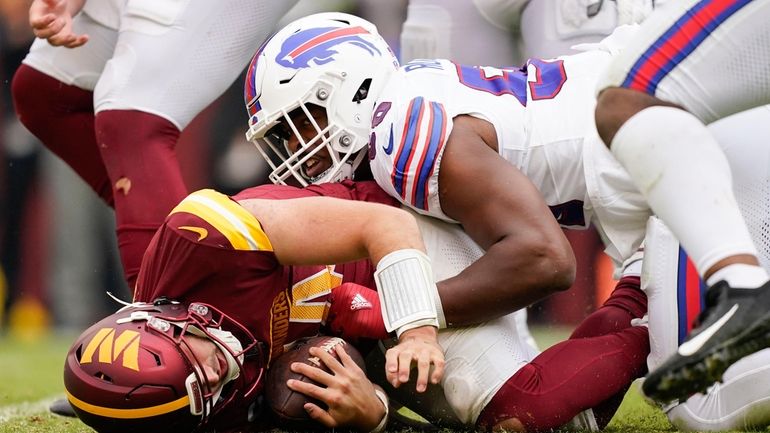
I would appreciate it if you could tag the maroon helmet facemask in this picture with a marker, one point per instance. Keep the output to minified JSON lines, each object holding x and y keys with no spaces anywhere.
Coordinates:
{"x":135,"y":369}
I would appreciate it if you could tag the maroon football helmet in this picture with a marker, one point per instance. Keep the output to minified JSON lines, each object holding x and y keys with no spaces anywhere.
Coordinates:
{"x":134,"y":371}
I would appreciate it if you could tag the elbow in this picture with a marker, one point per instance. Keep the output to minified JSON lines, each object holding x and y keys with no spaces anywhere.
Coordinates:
{"x":557,"y":266}
{"x":563,"y":274}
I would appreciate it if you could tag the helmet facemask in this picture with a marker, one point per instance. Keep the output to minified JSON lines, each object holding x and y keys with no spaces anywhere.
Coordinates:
{"x":206,"y":321}
{"x":331,"y":60}
{"x":327,"y":143}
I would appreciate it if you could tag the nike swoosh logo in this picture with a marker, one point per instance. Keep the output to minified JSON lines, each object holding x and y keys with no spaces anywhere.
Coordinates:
{"x":389,"y":149}
{"x":200,"y":231}
{"x":691,"y":346}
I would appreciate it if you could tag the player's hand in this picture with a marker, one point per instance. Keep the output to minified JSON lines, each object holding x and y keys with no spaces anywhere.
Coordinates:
{"x":348,"y":393}
{"x":52,"y":20}
{"x":418,"y":345}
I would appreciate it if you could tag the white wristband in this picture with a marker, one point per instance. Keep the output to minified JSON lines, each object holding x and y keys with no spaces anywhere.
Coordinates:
{"x":384,"y":421}
{"x":407,"y":292}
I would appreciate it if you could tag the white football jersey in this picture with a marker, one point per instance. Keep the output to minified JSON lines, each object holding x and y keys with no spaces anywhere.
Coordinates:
{"x":543,"y":115}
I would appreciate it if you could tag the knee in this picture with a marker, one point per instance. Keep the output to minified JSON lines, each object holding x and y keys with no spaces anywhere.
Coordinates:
{"x":509,"y":425}
{"x":32,"y":100}
{"x":38,"y":98}
{"x":23,"y":92}
{"x":615,"y":105}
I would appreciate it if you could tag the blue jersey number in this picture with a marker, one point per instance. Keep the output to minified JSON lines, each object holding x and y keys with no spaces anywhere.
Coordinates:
{"x":549,"y":79}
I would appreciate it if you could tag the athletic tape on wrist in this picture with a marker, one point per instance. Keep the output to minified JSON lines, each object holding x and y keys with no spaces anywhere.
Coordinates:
{"x":407,"y":292}
{"x":384,"y":421}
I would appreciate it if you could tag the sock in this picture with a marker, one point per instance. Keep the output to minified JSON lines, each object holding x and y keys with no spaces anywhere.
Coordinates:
{"x":62,"y":118}
{"x":684,"y":175}
{"x":138,"y":151}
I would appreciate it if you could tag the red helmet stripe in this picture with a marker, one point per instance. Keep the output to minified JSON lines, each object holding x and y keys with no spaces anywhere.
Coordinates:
{"x":339,"y":33}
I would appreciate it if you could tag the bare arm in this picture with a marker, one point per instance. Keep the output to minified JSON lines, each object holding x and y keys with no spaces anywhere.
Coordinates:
{"x":315,"y":230}
{"x":527,"y":255}
{"x":325,"y":230}
{"x":52,"y":20}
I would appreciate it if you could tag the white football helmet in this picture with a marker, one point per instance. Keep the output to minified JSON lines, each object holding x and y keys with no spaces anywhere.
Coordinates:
{"x":333,"y":60}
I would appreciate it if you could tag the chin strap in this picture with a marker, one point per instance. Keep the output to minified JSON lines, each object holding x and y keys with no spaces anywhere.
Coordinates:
{"x":233,"y":345}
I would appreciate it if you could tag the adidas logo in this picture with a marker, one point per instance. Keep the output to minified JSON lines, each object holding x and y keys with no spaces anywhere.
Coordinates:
{"x":359,"y":303}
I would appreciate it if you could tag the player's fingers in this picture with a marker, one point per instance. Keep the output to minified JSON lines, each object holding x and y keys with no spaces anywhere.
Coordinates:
{"x":61,"y":40}
{"x":404,"y":365}
{"x":313,"y":373}
{"x":309,"y":389}
{"x":391,"y":366}
{"x":347,"y":361}
{"x":41,"y":23}
{"x":423,"y":370}
{"x":320,"y":415}
{"x":50,"y":31}
{"x":439,"y":363}
{"x":327,"y":358}
{"x":78,"y":41}
{"x":70,"y":41}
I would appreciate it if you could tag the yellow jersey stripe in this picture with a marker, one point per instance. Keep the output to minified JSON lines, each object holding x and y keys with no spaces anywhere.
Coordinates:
{"x":237,"y":224}
{"x":245,"y":223}
{"x":144,"y":412}
{"x":232,"y":234}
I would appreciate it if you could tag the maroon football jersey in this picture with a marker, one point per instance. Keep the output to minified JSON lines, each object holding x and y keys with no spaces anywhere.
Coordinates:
{"x":212,"y":250}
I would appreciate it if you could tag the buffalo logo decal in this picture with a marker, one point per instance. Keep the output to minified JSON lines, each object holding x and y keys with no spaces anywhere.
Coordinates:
{"x":317,"y":45}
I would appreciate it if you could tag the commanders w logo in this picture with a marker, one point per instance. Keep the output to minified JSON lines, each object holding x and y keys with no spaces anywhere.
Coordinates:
{"x":110,"y":348}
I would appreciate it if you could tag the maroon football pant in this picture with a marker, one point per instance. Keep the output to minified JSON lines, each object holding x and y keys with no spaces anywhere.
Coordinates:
{"x":126,"y":156}
{"x":592,"y":369}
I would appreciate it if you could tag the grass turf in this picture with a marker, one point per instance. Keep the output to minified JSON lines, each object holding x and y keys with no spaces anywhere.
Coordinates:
{"x":30,"y":373}
{"x":30,"y":378}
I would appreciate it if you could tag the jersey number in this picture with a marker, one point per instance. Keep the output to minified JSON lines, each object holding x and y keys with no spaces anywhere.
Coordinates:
{"x":549,"y":78}
{"x":309,"y":296}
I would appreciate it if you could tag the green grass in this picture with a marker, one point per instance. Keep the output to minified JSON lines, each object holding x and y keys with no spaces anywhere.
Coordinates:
{"x":31,"y":377}
{"x":30,"y":374}
{"x":30,"y":370}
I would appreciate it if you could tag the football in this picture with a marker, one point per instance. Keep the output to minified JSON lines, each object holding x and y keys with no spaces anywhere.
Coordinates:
{"x":287,"y":405}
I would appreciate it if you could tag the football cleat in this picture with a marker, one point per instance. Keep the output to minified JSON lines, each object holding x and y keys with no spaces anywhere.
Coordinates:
{"x":735,"y":323}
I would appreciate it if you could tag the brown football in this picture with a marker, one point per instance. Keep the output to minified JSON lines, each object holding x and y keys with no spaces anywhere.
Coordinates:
{"x":286,"y":405}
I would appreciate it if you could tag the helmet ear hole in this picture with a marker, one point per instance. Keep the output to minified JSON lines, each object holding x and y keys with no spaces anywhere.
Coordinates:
{"x":363,"y":90}
{"x":156,"y":357}
{"x":340,"y":18}
{"x":103,"y":377}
